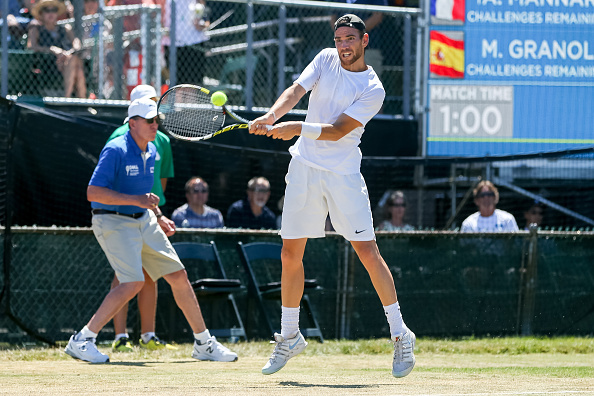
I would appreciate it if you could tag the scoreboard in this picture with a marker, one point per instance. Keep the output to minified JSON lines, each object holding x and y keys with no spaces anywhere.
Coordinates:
{"x":510,"y":76}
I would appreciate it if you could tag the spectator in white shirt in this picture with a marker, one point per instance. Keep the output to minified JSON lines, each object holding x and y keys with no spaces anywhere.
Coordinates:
{"x":488,"y":218}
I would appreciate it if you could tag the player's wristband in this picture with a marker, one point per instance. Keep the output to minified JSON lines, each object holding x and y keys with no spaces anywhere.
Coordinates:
{"x":274,"y":115}
{"x":311,"y":130}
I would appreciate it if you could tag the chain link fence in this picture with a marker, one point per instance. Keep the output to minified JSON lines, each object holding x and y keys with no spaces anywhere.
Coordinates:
{"x":448,"y":283}
{"x":251,"y":50}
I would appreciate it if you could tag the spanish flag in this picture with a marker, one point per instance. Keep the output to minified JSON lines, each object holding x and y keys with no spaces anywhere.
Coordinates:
{"x":447,"y":55}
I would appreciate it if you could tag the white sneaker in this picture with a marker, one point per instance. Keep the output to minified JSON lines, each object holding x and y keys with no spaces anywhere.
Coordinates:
{"x":283,"y":351}
{"x":213,"y":350}
{"x":85,"y":350}
{"x":404,"y":356}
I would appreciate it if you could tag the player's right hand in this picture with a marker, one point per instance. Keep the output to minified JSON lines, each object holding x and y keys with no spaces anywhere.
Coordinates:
{"x":258,"y":126}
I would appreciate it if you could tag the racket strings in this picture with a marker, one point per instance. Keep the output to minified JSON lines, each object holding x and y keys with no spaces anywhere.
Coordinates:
{"x":186,"y":112}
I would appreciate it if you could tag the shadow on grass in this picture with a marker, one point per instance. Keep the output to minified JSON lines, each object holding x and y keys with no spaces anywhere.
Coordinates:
{"x":338,"y":386}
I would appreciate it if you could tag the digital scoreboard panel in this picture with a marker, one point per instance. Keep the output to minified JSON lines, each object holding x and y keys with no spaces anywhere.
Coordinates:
{"x":510,"y":77}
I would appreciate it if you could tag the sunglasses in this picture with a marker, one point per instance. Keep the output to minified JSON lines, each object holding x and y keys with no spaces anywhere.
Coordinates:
{"x":260,"y":190}
{"x":398,"y":205}
{"x":149,"y":120}
{"x":199,"y":190}
{"x":53,"y":9}
{"x":485,"y":194}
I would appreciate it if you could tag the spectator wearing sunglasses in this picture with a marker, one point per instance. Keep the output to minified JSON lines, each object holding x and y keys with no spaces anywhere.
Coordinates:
{"x":488,"y":218}
{"x":196,"y":213}
{"x":394,"y":212}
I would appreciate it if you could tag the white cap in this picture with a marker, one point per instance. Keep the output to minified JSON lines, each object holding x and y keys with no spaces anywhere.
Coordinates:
{"x":143,"y":107}
{"x":142,"y":91}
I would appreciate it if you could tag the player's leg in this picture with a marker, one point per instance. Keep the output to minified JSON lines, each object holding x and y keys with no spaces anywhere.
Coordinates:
{"x":290,"y":342}
{"x":350,"y":211}
{"x":378,"y":271}
{"x":383,"y":282}
{"x":304,"y":216}
{"x":121,"y":343}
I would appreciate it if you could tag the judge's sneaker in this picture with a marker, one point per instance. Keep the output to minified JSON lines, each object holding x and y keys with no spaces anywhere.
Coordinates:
{"x":213,"y":350}
{"x":85,"y":350}
{"x":404,"y":356}
{"x":122,"y":345}
{"x":154,"y":344}
{"x":283,"y":351}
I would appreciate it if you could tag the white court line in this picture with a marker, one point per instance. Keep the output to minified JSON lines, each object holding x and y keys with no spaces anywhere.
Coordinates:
{"x":505,"y":393}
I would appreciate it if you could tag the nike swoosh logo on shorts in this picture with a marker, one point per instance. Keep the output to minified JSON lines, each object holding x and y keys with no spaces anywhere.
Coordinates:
{"x":358,"y":232}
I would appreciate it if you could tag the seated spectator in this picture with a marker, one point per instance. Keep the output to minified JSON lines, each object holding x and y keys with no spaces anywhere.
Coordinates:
{"x":394,"y":211}
{"x":46,"y":36}
{"x":18,"y":19}
{"x":534,"y":215}
{"x":251,"y":212}
{"x":195,"y":213}
{"x":488,"y":218}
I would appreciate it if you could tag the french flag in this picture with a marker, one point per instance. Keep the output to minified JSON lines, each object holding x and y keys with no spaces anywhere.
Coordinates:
{"x":451,"y":10}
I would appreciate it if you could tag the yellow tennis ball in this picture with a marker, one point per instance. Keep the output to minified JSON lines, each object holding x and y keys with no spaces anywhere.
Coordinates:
{"x":218,"y":98}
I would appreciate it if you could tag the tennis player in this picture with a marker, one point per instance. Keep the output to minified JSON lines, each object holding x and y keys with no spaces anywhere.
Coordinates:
{"x":126,"y":227}
{"x":324,"y":177}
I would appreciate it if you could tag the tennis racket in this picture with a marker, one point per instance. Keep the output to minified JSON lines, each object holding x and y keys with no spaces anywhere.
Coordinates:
{"x":186,"y":113}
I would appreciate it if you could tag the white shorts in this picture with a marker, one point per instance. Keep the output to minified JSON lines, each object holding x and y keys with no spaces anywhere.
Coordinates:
{"x":313,"y":193}
{"x":131,"y":244}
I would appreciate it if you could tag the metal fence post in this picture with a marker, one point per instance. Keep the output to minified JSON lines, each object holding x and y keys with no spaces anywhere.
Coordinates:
{"x":528,"y":283}
{"x":172,"y":47}
{"x":282,"y":53}
{"x":249,"y":70}
{"x":4,"y":76}
{"x":118,"y":52}
{"x":144,"y":41}
{"x":406,"y":68}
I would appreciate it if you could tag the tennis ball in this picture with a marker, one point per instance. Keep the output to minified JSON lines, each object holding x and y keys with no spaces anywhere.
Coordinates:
{"x":218,"y":98}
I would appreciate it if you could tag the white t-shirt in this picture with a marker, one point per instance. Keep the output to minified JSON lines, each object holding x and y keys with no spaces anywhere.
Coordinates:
{"x":185,"y":31}
{"x":499,"y":221}
{"x":335,"y":91}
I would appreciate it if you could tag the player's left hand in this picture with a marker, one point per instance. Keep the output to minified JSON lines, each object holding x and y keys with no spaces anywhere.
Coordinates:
{"x":285,"y":130}
{"x":167,"y":225}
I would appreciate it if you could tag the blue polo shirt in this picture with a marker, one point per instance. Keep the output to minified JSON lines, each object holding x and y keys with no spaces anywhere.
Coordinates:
{"x":124,"y":168}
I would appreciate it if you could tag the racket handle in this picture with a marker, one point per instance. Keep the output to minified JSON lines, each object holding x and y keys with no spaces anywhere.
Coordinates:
{"x":269,"y":127}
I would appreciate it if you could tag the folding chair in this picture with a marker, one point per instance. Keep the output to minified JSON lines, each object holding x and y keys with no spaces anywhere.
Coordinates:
{"x":262,"y":263}
{"x":203,"y":263}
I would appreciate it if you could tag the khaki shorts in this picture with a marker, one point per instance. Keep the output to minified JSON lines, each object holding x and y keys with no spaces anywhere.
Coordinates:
{"x":131,"y":244}
{"x":313,"y":193}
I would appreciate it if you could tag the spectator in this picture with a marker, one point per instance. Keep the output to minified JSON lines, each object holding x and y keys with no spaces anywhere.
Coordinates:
{"x":191,"y":23}
{"x":195,"y":213}
{"x":534,"y":215}
{"x":147,"y":297}
{"x":488,"y":218}
{"x":394,"y":211}
{"x":18,"y":19}
{"x":126,"y":227}
{"x":252,"y":212}
{"x":48,"y":37}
